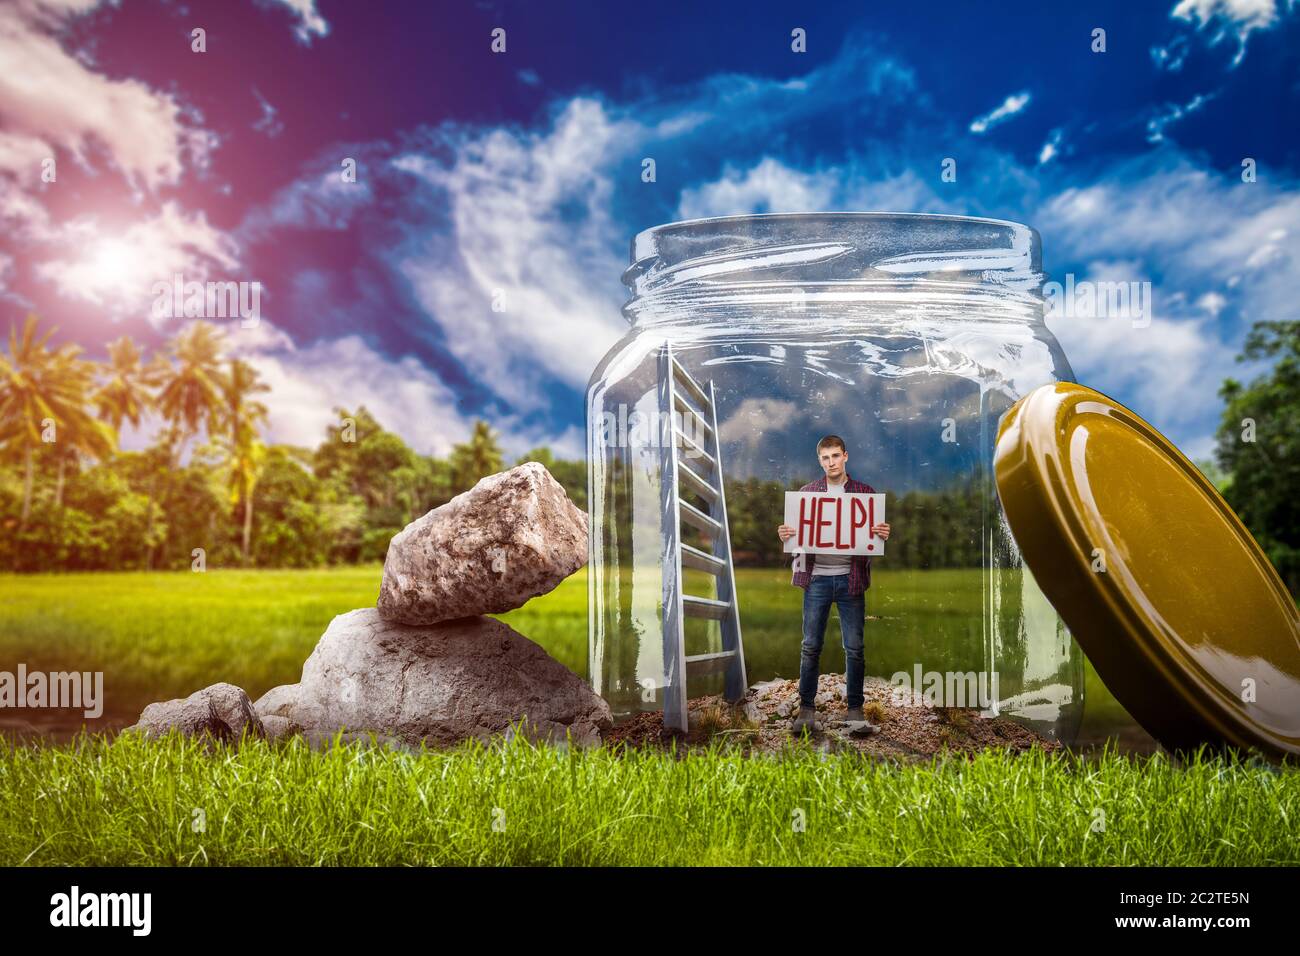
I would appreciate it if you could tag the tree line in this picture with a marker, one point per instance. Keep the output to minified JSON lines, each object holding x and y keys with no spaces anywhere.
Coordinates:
{"x":71,"y":499}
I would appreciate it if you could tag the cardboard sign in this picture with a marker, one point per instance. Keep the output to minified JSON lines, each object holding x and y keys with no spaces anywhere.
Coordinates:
{"x":834,"y":523}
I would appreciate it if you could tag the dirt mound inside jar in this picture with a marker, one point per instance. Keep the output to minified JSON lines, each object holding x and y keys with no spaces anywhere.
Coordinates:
{"x":760,"y":724}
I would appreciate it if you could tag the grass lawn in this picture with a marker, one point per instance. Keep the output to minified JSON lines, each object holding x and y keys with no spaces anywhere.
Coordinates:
{"x":162,"y":635}
{"x":97,"y":800}
{"x":167,"y":634}
{"x":131,"y":802}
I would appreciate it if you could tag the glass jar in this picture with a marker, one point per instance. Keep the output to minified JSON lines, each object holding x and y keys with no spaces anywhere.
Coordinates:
{"x":906,"y":335}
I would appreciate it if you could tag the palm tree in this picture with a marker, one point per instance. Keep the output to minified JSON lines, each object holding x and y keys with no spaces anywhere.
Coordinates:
{"x":190,"y":393}
{"x":38,"y":389}
{"x":477,"y":458}
{"x":240,"y":416}
{"x":79,"y":433}
{"x":126,"y":395}
{"x":23,"y":404}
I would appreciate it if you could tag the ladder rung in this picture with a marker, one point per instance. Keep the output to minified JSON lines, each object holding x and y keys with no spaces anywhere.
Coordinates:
{"x":686,"y":409}
{"x":694,"y":483}
{"x":698,"y":664}
{"x":698,"y":454}
{"x":702,"y":560}
{"x":695,"y":606}
{"x":700,"y":396}
{"x":694,"y":516}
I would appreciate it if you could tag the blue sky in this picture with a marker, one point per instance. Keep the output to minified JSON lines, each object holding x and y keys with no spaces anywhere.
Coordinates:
{"x":521,"y":171}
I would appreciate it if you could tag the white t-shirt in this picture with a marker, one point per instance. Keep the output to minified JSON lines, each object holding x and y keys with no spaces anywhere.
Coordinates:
{"x":832,"y":563}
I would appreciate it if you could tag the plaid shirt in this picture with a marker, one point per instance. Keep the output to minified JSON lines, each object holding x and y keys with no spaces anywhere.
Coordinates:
{"x":859,"y":564}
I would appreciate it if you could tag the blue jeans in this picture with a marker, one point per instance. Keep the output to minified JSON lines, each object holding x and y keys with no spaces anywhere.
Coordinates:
{"x":823,"y":591}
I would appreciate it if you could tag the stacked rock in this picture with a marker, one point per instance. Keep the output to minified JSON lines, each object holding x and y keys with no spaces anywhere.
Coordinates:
{"x":425,"y":664}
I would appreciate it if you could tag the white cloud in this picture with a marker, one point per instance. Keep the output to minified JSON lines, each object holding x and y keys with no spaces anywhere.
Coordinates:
{"x":754,"y":416}
{"x":529,"y":229}
{"x":55,"y":104}
{"x":1191,"y":225}
{"x":1237,"y":17}
{"x":1050,"y":148}
{"x":904,"y":192}
{"x":1169,"y":368}
{"x":309,"y":382}
{"x":267,"y":123}
{"x":772,"y":186}
{"x":118,"y":270}
{"x":530,"y":214}
{"x":526,"y":218}
{"x":1009,"y":107}
{"x":769,"y":186}
{"x":1173,"y":113}
{"x":50,"y":95}
{"x":1172,"y":55}
{"x":1245,"y":14}
{"x":318,"y":201}
{"x":22,"y":214}
{"x":310,"y":22}
{"x":1212,"y":302}
{"x":1194,"y":234}
{"x":21,"y":157}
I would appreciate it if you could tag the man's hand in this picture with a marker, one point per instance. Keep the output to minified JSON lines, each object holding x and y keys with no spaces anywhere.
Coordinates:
{"x":880,"y":531}
{"x":785,"y":532}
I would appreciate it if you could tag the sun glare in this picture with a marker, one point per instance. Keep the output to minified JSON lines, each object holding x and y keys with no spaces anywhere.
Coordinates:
{"x":109,"y":262}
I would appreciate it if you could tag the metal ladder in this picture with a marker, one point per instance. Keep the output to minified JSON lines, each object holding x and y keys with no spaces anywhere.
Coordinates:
{"x":679,"y":393}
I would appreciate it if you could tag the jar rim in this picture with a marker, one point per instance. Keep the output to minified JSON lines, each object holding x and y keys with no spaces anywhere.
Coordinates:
{"x":941,"y":241}
{"x":648,"y":244}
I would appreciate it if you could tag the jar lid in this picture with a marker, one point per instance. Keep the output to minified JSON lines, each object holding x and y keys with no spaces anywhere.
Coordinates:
{"x":1179,"y":610}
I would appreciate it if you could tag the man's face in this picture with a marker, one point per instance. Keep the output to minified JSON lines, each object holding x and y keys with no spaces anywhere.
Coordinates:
{"x":833,"y":458}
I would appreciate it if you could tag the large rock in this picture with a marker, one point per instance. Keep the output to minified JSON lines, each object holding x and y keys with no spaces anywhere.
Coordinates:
{"x":440,"y":684}
{"x":222,"y":711}
{"x":511,"y":537}
{"x":279,"y":728}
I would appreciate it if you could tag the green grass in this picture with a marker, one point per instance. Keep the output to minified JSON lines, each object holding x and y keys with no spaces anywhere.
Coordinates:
{"x":98,"y":800}
{"x":167,"y":634}
{"x":130,"y":802}
{"x":162,"y":635}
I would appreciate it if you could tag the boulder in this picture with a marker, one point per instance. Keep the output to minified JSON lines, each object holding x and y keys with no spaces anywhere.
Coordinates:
{"x":222,"y":711}
{"x":440,"y":684}
{"x":511,"y":537}
{"x":278,"y":728}
{"x":277,"y":702}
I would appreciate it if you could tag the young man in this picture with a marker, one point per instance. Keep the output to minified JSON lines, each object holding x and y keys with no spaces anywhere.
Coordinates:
{"x":832,"y":578}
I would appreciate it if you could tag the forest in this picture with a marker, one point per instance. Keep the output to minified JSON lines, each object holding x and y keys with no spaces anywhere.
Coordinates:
{"x":209,"y":488}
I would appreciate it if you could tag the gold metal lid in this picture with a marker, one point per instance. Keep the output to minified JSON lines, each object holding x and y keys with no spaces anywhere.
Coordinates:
{"x":1177,"y":607}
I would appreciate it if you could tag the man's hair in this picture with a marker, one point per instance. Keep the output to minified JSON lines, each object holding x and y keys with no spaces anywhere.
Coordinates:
{"x":831,"y":441}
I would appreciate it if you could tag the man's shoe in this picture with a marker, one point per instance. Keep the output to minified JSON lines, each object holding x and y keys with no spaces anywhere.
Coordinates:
{"x":854,"y":713}
{"x":807,"y":718}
